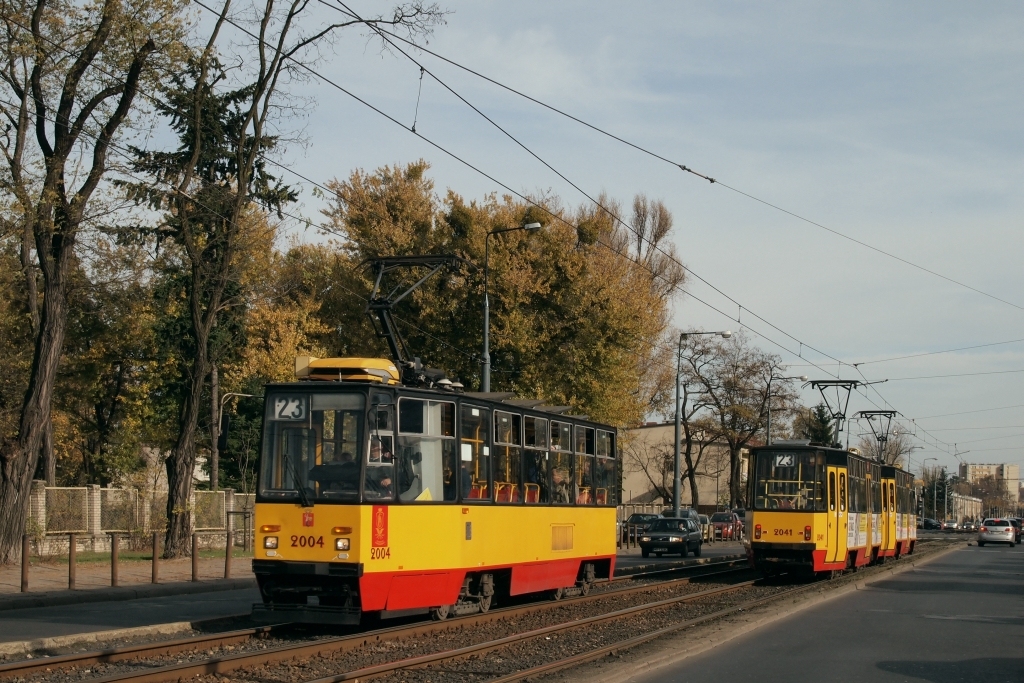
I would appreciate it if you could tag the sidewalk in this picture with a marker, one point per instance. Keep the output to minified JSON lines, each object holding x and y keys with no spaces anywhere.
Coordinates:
{"x":48,"y":580}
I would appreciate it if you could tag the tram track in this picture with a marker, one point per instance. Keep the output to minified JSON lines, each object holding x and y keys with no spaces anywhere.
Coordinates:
{"x":256,"y":639}
{"x":427,"y":646}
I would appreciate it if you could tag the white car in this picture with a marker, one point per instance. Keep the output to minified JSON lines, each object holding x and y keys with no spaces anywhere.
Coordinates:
{"x":996,"y":531}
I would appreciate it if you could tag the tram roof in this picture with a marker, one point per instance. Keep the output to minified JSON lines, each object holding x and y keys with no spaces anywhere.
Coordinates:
{"x":500,"y":399}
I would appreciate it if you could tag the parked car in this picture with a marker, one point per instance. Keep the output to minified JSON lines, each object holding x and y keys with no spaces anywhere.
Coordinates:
{"x":727,"y":525}
{"x":742,"y":514}
{"x":930,"y":524}
{"x":671,"y":535}
{"x":997,"y":531}
{"x":636,"y":524}
{"x":706,"y":529}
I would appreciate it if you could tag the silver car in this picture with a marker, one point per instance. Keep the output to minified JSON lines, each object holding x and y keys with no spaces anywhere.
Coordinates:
{"x":996,"y":531}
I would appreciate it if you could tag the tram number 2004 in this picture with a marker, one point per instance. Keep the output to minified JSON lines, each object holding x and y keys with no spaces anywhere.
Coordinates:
{"x":380,"y":553}
{"x":307,"y":541}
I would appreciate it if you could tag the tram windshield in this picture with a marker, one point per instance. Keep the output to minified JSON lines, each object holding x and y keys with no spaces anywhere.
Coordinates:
{"x":789,"y":480}
{"x":312,"y":445}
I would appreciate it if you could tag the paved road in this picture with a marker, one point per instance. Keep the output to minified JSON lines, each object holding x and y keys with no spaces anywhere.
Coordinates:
{"x":958,"y":619}
{"x":632,"y":557}
{"x":47,"y":622}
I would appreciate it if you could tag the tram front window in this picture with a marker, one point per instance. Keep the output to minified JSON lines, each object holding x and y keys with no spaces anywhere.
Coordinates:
{"x":311,"y":447}
{"x":790,"y":480}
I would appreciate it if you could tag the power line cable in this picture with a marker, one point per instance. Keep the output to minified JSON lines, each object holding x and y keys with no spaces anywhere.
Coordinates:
{"x":683,"y":167}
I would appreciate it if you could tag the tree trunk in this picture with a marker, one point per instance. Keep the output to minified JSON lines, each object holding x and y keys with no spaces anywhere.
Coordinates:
{"x":182,"y":463}
{"x":694,"y":495}
{"x":18,"y":459}
{"x":48,"y":456}
{"x":735,"y":483}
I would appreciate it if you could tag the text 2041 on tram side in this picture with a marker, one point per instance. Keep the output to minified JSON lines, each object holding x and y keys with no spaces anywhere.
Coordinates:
{"x":816,"y":509}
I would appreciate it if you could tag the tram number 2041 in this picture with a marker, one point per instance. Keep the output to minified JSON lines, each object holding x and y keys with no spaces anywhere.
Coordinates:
{"x":307,"y":541}
{"x":783,"y":532}
{"x":380,"y":553}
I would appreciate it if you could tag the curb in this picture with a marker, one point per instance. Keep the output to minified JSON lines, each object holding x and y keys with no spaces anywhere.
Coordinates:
{"x":158,"y":590}
{"x":663,"y":566}
{"x":42,"y":645}
{"x":729,"y":630}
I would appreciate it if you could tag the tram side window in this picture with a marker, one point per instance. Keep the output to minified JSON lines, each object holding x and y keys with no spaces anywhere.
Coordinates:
{"x":475,"y":453}
{"x":583,"y":490}
{"x":508,"y":441}
{"x":561,"y":463}
{"x":831,"y":491}
{"x":379,"y":481}
{"x":426,"y":450}
{"x":605,"y":481}
{"x":876,"y":497}
{"x":535,"y":461}
{"x":789,"y":480}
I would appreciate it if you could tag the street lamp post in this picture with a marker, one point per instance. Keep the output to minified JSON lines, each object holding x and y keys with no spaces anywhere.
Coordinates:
{"x":768,"y":427}
{"x":677,"y":482}
{"x":486,"y":370}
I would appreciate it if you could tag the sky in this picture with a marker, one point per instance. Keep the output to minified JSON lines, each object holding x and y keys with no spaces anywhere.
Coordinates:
{"x":897,"y":125}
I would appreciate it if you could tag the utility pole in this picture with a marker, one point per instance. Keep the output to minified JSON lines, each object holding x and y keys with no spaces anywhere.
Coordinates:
{"x":945,"y":496}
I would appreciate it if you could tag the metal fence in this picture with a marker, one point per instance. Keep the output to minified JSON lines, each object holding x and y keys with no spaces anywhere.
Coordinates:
{"x":67,"y":510}
{"x":209,"y":511}
{"x":119,"y":510}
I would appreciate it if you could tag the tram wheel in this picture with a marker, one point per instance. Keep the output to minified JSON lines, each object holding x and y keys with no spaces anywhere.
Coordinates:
{"x":485,"y":603}
{"x":440,"y":613}
{"x":584,"y":588}
{"x":558,"y":594}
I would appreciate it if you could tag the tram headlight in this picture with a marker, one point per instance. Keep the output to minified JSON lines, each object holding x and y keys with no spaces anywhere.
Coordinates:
{"x":341,"y":544}
{"x":270,"y":542}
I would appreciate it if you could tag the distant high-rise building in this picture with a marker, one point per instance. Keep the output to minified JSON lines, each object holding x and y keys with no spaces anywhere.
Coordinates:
{"x":1007,"y":473}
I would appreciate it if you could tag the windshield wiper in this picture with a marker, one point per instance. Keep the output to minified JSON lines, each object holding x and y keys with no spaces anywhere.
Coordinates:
{"x":303,"y":496}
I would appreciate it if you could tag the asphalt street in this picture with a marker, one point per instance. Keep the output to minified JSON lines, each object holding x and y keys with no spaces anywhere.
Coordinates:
{"x":47,"y":622}
{"x":958,"y":619}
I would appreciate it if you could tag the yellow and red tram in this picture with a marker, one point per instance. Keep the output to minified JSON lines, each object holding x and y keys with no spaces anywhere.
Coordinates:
{"x":816,"y":509}
{"x":379,"y":498}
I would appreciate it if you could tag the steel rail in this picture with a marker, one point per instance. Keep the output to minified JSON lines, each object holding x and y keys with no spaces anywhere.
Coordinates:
{"x":415,"y":662}
{"x":343,"y":643}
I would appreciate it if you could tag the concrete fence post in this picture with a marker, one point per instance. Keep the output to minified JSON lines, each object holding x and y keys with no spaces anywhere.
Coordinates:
{"x":192,"y":509}
{"x":37,"y":503}
{"x":94,"y":500}
{"x":229,"y":507}
{"x":228,"y":548}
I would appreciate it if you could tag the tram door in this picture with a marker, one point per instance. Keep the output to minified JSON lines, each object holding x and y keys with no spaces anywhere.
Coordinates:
{"x":831,"y":538}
